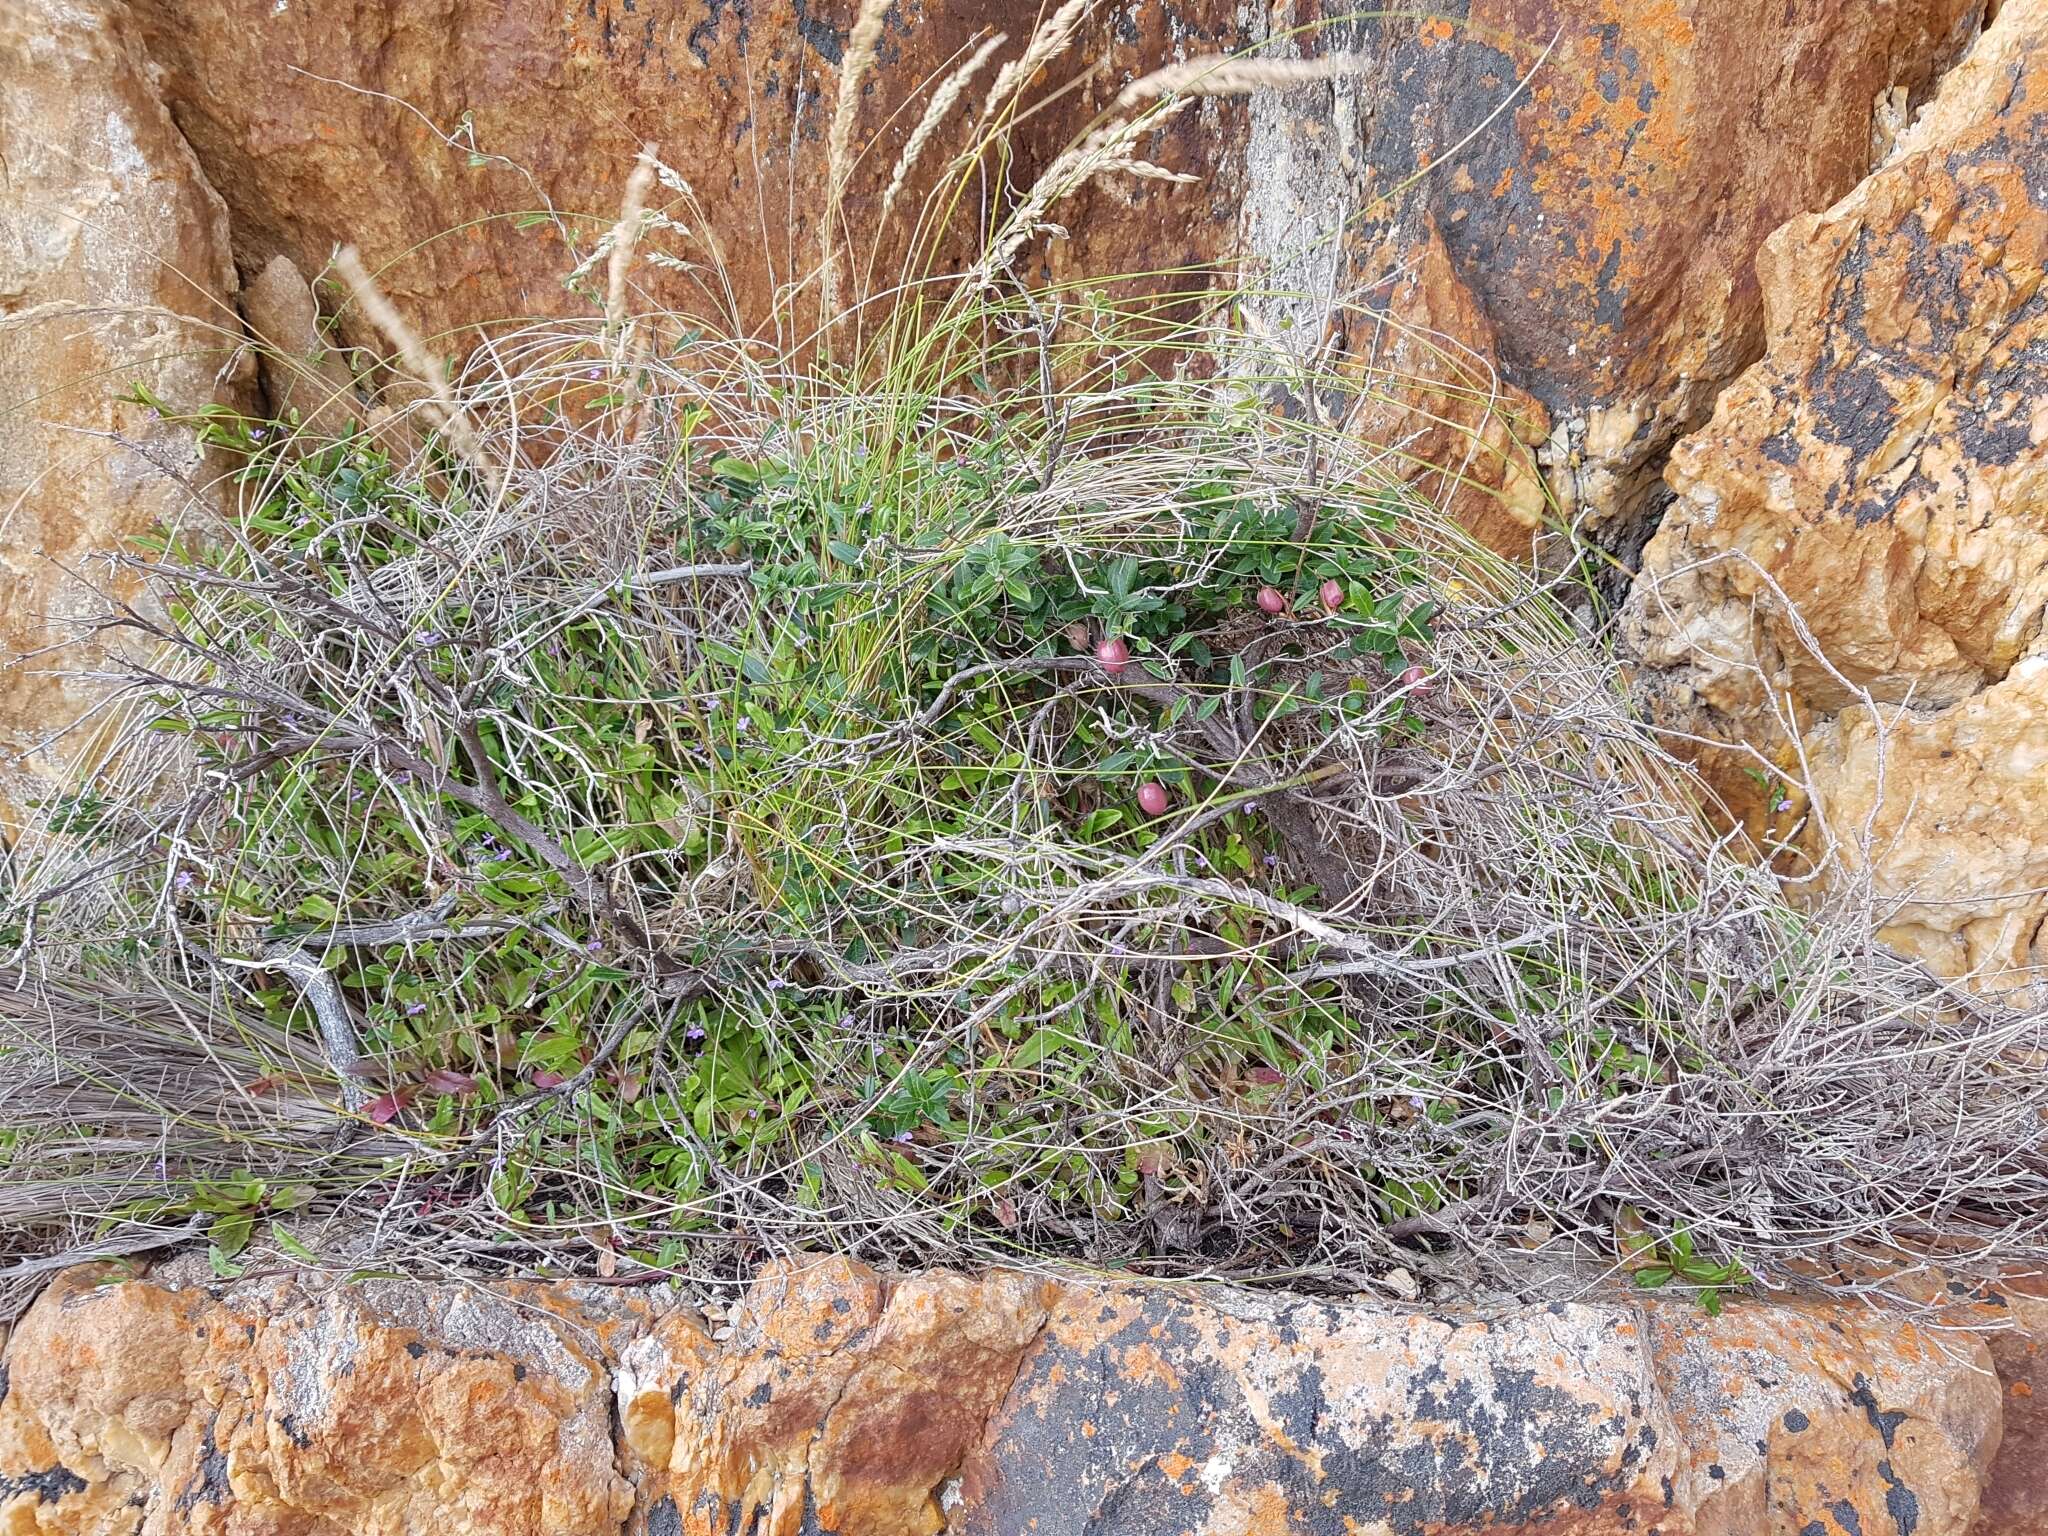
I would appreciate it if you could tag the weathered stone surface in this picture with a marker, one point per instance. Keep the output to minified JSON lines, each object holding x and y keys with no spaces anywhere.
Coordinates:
{"x":274,"y":1408}
{"x":306,"y":377}
{"x":418,"y":130}
{"x":834,"y":1394}
{"x":2016,"y":1496}
{"x":114,"y":268}
{"x":1605,"y":222}
{"x":1883,"y":474}
{"x":1143,"y":1412}
{"x":1583,"y":241}
{"x":835,"y":1400}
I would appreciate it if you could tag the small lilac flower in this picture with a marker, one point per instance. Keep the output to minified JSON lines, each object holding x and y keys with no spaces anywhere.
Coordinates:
{"x":182,"y":880}
{"x":255,"y":434}
{"x":776,"y":984}
{"x":1417,"y":1101}
{"x":403,"y":776}
{"x":430,"y":637}
{"x":594,"y":945}
{"x":694,"y":1032}
{"x":846,"y":1021}
{"x":1784,"y":805}
{"x":414,"y":1010}
{"x":902,"y":1138}
{"x":1272,"y":860}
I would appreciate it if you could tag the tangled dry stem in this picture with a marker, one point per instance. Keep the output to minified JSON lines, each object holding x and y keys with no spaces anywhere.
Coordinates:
{"x":1532,"y":863}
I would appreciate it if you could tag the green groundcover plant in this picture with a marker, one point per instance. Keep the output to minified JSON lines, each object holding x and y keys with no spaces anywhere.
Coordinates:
{"x":994,"y":779}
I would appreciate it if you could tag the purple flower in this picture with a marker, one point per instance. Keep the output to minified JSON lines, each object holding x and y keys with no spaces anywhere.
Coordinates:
{"x":594,"y":945}
{"x":182,"y":880}
{"x":1784,"y":805}
{"x":414,"y":1010}
{"x":593,"y":373}
{"x":901,"y":1138}
{"x":255,"y":434}
{"x":1417,"y":1101}
{"x":694,"y":1032}
{"x":1272,"y":860}
{"x":430,"y":637}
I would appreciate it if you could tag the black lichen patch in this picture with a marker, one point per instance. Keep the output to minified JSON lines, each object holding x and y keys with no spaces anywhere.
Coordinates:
{"x":211,"y":1486}
{"x":48,"y":1486}
{"x":1103,"y":1435}
{"x":1900,"y":1502}
{"x":1885,"y":1422}
{"x":1796,"y":1421}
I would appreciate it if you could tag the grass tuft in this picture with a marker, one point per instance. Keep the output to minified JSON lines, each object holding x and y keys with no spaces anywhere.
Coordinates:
{"x":641,"y":807}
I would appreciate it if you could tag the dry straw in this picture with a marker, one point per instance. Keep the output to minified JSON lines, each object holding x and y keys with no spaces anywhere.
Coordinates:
{"x":625,"y":236}
{"x":861,"y":43}
{"x":944,"y":99}
{"x":1219,"y":76}
{"x":1046,"y":44}
{"x":418,"y":361}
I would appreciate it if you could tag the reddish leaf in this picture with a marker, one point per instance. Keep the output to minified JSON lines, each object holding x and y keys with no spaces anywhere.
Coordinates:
{"x":543,"y":1078}
{"x":1265,"y":1075}
{"x":383,"y":1109}
{"x":448,"y":1080}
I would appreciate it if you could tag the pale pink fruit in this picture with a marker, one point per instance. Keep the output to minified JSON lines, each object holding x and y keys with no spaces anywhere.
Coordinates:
{"x":1332,"y":594}
{"x":1415,"y":680}
{"x":1114,"y":655}
{"x":1271,"y":600}
{"x":1152,"y":799}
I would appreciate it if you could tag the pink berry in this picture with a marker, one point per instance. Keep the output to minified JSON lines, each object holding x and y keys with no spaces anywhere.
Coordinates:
{"x":1415,"y":680}
{"x":1271,"y":600}
{"x":1152,"y":799}
{"x":1114,"y":655}
{"x":1332,"y":593}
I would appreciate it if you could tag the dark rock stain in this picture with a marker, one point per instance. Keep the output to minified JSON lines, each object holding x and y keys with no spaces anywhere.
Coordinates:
{"x":1885,"y":1422}
{"x":48,"y":1486}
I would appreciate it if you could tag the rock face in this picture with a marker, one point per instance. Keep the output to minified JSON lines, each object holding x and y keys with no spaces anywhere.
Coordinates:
{"x":1565,"y":263}
{"x":1604,"y":215}
{"x":1854,"y":575}
{"x":835,"y":1400}
{"x":114,"y":269}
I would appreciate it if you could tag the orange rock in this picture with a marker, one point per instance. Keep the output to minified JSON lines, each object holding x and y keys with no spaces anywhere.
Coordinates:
{"x":114,"y":270}
{"x":836,"y":1401}
{"x":1883,"y":472}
